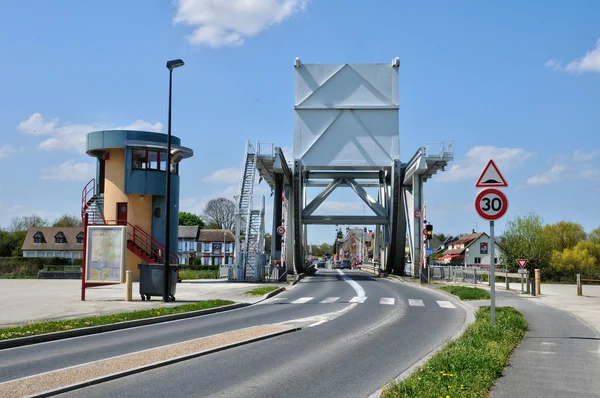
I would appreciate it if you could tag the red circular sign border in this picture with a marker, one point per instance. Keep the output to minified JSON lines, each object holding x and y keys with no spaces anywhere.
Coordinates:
{"x":491,"y":191}
{"x":281,"y":230}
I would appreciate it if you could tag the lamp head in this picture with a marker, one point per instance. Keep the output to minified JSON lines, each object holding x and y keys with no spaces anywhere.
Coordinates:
{"x":174,"y":63}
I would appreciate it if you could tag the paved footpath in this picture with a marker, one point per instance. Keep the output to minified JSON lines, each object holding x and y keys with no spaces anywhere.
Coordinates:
{"x":45,"y":299}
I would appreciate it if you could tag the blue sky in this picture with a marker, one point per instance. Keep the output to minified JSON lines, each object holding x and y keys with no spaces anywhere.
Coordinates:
{"x":515,"y":81}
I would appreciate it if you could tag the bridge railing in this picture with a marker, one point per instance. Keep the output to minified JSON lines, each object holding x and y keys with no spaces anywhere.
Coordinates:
{"x":457,"y":274}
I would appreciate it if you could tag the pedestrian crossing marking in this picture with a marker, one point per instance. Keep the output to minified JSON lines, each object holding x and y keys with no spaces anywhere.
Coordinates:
{"x":416,"y":303}
{"x":358,"y":299}
{"x":302,"y":300}
{"x":330,"y":300}
{"x":387,"y":301}
{"x":445,"y":304}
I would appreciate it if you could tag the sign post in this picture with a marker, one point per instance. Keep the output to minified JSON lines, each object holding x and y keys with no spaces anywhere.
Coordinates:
{"x":491,"y":204}
{"x":522,"y":262}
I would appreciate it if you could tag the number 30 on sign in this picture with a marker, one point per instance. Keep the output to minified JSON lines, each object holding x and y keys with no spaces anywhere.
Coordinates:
{"x":491,"y":204}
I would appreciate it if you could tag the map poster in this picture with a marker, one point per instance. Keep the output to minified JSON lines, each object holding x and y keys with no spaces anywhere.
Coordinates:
{"x":105,"y":262}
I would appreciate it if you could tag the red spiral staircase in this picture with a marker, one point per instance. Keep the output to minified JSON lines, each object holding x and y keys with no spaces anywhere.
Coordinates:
{"x":139,"y":242}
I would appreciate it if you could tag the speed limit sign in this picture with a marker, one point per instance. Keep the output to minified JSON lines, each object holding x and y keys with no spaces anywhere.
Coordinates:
{"x":491,"y":204}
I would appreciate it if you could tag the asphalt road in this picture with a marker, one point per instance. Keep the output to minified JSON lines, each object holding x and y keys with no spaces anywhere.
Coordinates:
{"x":365,"y":334}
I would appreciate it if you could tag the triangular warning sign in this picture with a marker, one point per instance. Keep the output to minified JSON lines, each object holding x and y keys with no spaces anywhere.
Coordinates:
{"x":491,"y":177}
{"x":522,"y":263}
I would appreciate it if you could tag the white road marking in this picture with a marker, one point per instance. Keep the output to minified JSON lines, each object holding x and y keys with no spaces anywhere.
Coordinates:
{"x":330,"y":300}
{"x":302,"y":300}
{"x":360,"y":292}
{"x":445,"y":304}
{"x":547,"y":343}
{"x":416,"y":303}
{"x":387,"y":301}
{"x":318,"y":319}
{"x":358,"y":299}
{"x":542,"y":352}
{"x":272,"y":300}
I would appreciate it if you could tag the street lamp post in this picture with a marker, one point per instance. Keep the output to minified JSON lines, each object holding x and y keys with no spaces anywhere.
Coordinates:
{"x":175,"y":63}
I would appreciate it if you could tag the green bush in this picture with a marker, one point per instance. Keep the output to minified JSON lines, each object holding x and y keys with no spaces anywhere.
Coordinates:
{"x":199,"y":267}
{"x":190,"y":274}
{"x":466,"y":293}
{"x":28,"y":266}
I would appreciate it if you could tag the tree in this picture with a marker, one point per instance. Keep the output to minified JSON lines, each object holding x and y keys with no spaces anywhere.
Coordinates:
{"x":25,"y":222}
{"x":268,"y":243}
{"x":338,"y":235}
{"x":564,"y":235}
{"x":220,"y":213}
{"x":524,"y":238}
{"x":595,"y":235}
{"x":442,"y":237}
{"x":11,"y":243}
{"x":583,"y":258}
{"x":190,"y":220}
{"x":67,"y":220}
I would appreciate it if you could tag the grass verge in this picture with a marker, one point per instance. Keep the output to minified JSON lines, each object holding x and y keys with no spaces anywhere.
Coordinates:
{"x":34,"y":328}
{"x":469,"y":365}
{"x":193,"y":274}
{"x":259,"y":291}
{"x":467,"y":293}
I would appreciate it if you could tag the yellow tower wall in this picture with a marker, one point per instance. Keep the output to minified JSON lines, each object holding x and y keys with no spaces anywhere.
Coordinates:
{"x":139,"y":207}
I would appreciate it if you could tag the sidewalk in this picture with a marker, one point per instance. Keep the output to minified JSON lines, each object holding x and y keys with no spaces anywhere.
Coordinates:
{"x":45,"y":299}
{"x":559,"y":356}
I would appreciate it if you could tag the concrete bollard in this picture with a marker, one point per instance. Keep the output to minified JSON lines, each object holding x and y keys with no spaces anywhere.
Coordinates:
{"x":507,"y":281}
{"x":129,"y":285}
{"x":538,"y":291}
{"x":579,"y":287}
{"x":527,"y":283}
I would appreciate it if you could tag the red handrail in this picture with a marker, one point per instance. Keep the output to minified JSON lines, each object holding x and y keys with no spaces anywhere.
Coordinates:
{"x":90,"y":187}
{"x":139,"y":237}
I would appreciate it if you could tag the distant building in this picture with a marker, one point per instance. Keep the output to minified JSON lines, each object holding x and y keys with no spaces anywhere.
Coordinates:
{"x":65,"y":242}
{"x":188,"y":244}
{"x":215,"y":246}
{"x":471,"y":250}
{"x":349,"y":247}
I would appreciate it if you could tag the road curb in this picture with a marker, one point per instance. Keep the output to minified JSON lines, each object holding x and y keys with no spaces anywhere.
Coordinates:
{"x":299,"y":277}
{"x":140,"y":369}
{"x":469,"y":319}
{"x":43,"y":338}
{"x":270,"y":294}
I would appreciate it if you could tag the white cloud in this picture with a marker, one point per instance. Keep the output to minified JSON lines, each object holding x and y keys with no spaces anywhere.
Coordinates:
{"x":555,"y":174}
{"x":589,"y":174}
{"x":582,"y":156}
{"x":37,"y":125}
{"x":192,"y":205}
{"x":590,"y":62}
{"x":476,"y":159}
{"x":230,"y":175}
{"x":227,"y":23}
{"x":71,"y":137}
{"x":6,"y":150}
{"x":69,"y":171}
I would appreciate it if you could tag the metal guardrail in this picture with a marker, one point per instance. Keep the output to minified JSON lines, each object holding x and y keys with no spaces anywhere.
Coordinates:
{"x":458,"y":274}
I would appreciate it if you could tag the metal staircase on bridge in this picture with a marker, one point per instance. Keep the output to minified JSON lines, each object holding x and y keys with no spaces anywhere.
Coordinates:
{"x":250,"y":227}
{"x":139,"y":242}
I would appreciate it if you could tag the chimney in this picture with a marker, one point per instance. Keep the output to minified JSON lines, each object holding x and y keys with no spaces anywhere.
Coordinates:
{"x":473,"y":231}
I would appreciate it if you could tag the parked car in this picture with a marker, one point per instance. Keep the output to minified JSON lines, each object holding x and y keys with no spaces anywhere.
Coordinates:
{"x":321,"y":263}
{"x":346,"y":264}
{"x":337,"y":264}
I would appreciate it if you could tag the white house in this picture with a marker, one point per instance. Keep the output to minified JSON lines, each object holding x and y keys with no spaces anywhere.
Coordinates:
{"x":471,"y":250}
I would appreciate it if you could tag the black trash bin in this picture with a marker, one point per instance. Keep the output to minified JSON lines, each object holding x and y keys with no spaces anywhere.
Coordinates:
{"x":152,"y":282}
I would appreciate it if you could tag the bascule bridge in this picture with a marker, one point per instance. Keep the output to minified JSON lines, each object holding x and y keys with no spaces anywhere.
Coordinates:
{"x":346,"y":133}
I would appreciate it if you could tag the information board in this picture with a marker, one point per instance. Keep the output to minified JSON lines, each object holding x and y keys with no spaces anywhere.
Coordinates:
{"x":105,"y":257}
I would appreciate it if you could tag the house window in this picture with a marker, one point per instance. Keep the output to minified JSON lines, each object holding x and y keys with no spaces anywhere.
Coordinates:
{"x":151,"y":160}
{"x":139,"y":159}
{"x":217,"y":260}
{"x":204,"y":260}
{"x":80,"y":237}
{"x":495,"y":260}
{"x":206,"y":247}
{"x":38,"y":238}
{"x":477,"y":260}
{"x":60,"y":238}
